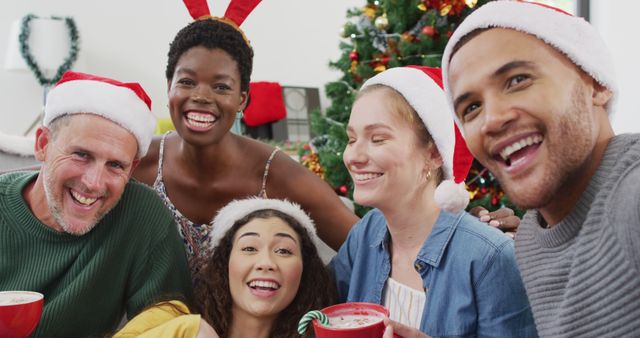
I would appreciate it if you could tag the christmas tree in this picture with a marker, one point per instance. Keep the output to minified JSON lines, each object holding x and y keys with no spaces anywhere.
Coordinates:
{"x":381,"y":35}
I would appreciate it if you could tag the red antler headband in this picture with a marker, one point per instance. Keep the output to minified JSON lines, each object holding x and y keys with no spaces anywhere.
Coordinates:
{"x":234,"y":16}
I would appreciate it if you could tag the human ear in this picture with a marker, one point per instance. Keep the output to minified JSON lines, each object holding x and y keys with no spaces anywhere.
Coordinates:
{"x":244,"y":100}
{"x":434,"y":159}
{"x":601,"y":95}
{"x":134,"y":165}
{"x":43,"y":137}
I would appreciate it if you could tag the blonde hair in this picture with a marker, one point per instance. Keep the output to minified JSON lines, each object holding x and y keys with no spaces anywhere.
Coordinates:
{"x":404,"y":110}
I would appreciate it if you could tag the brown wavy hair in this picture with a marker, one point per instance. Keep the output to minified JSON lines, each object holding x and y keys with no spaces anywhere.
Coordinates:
{"x":212,"y":296}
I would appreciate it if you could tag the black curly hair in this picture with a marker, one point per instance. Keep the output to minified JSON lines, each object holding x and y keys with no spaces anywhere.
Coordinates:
{"x":212,"y":34}
{"x":212,"y":295}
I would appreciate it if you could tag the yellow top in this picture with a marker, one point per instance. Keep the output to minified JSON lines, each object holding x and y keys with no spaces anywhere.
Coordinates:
{"x":166,"y":319}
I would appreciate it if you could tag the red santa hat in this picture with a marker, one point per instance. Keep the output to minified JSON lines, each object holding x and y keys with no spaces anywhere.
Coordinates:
{"x":421,"y":87}
{"x":238,"y":209}
{"x":572,"y":36}
{"x":126,"y":104}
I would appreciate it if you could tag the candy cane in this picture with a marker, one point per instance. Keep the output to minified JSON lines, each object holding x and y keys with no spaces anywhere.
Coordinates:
{"x":308,"y":317}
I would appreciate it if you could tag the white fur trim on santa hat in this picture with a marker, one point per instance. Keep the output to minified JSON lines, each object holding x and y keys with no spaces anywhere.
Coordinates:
{"x":238,"y":209}
{"x":571,"y":35}
{"x":428,"y":100}
{"x":118,"y":104}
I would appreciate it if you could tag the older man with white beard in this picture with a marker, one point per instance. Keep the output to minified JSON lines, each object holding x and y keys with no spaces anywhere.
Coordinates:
{"x":95,"y":243}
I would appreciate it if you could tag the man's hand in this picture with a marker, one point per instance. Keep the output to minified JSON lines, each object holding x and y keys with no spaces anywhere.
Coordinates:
{"x":397,"y":330}
{"x":503,"y":219}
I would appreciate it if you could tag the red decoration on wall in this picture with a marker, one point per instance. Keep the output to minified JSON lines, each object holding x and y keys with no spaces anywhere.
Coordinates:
{"x":266,"y":104}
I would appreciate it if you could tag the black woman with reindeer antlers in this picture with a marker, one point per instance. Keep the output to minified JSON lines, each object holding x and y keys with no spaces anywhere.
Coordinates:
{"x":203,"y":166}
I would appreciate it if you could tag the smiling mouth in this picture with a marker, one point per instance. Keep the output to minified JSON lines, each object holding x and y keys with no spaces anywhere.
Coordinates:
{"x":86,"y":201}
{"x":519,"y":149}
{"x":263,"y":285}
{"x":366,"y":177}
{"x":200,"y":120}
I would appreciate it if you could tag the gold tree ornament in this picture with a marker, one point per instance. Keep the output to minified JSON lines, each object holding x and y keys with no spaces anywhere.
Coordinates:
{"x":444,"y":10}
{"x":369,"y":11}
{"x":312,"y":162}
{"x":354,"y":65}
{"x":382,"y":22}
{"x":380,"y":68}
{"x":471,"y":3}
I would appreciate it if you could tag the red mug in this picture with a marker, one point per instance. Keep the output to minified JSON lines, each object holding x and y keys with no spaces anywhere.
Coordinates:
{"x":20,"y":313}
{"x":369,"y":315}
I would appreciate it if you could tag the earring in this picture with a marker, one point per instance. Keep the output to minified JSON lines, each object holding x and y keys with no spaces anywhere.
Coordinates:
{"x":428,"y":175}
{"x":236,"y":128}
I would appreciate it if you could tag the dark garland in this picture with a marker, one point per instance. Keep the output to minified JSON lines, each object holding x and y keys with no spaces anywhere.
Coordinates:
{"x":33,"y":65}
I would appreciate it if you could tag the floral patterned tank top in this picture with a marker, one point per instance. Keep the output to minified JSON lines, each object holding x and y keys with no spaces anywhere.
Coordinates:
{"x":196,"y":236}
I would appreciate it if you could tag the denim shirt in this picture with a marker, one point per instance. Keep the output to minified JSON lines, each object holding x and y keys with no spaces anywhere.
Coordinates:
{"x":468,"y":271}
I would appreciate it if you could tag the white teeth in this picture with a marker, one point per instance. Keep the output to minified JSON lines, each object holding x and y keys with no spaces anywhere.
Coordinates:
{"x":366,"y":177}
{"x":264,"y":284}
{"x":199,"y":124}
{"x":200,"y":117}
{"x":82,"y":199}
{"x":506,"y":152}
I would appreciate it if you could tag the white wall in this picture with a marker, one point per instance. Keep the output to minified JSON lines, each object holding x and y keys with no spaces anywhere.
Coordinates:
{"x":293,"y":42}
{"x":616,"y":21}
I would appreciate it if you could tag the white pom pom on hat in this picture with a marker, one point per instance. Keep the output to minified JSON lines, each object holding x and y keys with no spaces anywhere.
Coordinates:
{"x":573,"y":36}
{"x":126,"y":104}
{"x":421,"y":87}
{"x":238,"y":209}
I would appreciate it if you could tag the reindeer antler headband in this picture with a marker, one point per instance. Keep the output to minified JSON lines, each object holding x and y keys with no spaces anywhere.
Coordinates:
{"x":234,"y":16}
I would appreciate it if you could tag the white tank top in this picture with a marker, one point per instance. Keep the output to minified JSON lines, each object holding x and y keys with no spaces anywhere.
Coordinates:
{"x":405,"y":304}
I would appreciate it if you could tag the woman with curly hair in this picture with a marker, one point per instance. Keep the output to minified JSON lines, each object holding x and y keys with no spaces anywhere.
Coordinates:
{"x":264,"y":275}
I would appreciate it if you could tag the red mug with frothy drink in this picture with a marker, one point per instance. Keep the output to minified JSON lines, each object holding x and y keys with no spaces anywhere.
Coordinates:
{"x":20,"y":313}
{"x":352,"y":320}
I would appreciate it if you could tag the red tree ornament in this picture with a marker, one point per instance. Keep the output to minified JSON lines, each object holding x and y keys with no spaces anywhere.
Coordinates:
{"x":429,"y":31}
{"x":354,"y":56}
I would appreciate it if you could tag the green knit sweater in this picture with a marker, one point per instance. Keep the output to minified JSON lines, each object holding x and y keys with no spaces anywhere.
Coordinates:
{"x":131,"y":258}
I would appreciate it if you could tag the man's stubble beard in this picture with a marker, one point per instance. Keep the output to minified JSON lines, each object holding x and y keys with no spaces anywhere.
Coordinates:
{"x":55,"y":208}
